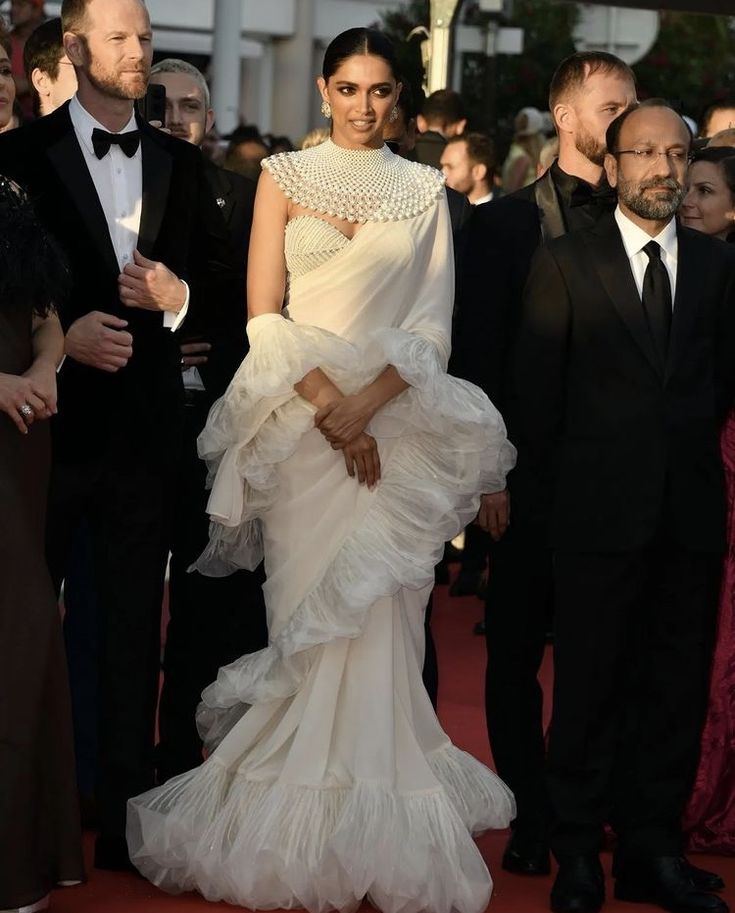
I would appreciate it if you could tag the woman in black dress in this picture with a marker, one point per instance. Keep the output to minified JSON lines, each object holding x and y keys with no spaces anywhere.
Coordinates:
{"x":39,"y":820}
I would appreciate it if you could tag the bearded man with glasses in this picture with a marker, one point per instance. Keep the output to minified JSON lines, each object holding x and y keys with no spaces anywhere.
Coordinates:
{"x":622,"y":374}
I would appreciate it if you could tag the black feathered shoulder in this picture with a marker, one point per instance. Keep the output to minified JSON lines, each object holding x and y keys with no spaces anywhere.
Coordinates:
{"x":33,"y":269}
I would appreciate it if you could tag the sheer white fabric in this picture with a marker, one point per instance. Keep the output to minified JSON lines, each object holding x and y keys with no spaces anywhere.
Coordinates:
{"x":330,"y":778}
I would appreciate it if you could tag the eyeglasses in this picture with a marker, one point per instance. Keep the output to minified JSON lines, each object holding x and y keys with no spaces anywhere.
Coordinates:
{"x":646,"y":156}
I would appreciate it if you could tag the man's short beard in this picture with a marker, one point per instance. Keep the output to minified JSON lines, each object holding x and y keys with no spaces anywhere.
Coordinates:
{"x":662,"y":205}
{"x":112,"y":86}
{"x":590,"y":148}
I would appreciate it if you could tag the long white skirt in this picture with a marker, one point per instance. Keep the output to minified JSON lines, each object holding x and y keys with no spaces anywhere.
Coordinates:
{"x":347,"y":787}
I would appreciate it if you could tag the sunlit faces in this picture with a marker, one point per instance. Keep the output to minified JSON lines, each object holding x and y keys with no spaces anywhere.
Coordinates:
{"x":722,"y":119}
{"x":7,"y":90}
{"x":115,"y":49}
{"x":649,"y":166}
{"x":187,"y":116}
{"x":361,"y":93}
{"x":708,"y":206}
{"x":591,"y":109}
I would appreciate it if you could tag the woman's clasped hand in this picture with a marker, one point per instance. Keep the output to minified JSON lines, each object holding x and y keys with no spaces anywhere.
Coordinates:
{"x":343,"y":422}
{"x":27,"y":398}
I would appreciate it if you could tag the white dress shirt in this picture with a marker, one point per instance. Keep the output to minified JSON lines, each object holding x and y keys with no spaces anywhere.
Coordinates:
{"x":488,"y":198}
{"x":118,"y":181}
{"x":635,"y":239}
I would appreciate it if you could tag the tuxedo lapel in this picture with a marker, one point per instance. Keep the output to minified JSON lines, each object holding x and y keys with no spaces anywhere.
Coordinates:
{"x":613,"y":267}
{"x":67,"y":159}
{"x":157,"y":168}
{"x":689,"y":278}
{"x":552,"y":220}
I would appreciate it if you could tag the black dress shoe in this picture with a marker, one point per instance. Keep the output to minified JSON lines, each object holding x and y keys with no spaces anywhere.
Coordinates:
{"x":527,"y":853}
{"x":111,"y":854}
{"x":701,"y":878}
{"x":579,"y":886}
{"x":665,"y":882}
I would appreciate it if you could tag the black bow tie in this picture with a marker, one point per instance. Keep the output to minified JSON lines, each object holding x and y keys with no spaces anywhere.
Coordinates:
{"x":585,"y":194}
{"x":102,"y":140}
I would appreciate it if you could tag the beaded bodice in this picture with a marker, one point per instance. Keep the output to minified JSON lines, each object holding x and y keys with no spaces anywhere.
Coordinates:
{"x":310,"y":242}
{"x":357,"y":185}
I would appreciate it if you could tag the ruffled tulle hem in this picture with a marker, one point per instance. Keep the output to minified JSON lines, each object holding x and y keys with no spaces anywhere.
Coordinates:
{"x":277,"y":846}
{"x":452,"y":446}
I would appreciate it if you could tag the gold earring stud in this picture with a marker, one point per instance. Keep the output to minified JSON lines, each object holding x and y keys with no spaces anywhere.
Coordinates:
{"x":326,"y":109}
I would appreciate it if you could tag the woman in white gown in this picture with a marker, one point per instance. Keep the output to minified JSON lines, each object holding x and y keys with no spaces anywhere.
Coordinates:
{"x":345,"y":453}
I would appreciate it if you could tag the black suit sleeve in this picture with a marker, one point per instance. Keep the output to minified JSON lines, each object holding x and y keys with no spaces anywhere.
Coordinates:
{"x":538,"y":365}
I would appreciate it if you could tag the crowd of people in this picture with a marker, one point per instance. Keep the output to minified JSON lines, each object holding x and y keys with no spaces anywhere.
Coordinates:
{"x":283,"y":404}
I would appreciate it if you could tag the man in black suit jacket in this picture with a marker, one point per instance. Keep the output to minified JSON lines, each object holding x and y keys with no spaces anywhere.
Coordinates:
{"x":213,"y":620}
{"x":622,"y":372}
{"x":130,"y":207}
{"x":587,"y":91}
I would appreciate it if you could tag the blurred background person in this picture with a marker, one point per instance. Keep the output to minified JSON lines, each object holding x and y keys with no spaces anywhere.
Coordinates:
{"x":519,"y":167}
{"x":277,"y":144}
{"x":548,"y":155}
{"x":26,"y":16}
{"x":212,"y":147}
{"x":48,"y":70}
{"x":723,"y":138}
{"x":213,"y":620}
{"x":468,"y":163}
{"x":245,"y":152}
{"x":442,"y":116}
{"x":39,"y":814}
{"x":718,"y":116}
{"x":314,"y":138}
{"x":401,"y":133}
{"x":709,"y":820}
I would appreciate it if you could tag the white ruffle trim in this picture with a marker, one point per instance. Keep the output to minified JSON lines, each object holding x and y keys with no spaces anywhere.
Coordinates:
{"x":275,"y":846}
{"x":452,"y":447}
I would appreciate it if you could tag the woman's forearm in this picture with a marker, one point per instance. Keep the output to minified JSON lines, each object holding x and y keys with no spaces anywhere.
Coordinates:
{"x":383,"y":389}
{"x":318,"y":389}
{"x":48,"y":342}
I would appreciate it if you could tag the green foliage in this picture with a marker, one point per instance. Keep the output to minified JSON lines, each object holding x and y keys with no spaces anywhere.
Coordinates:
{"x":693,"y":61}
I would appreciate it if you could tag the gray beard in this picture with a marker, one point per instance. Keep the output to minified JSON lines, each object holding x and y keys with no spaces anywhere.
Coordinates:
{"x":661,"y":206}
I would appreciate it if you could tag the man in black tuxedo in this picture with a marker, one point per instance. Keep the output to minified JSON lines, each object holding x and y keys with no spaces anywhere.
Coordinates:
{"x":213,"y":620}
{"x":130,"y":207}
{"x":622,"y":372}
{"x":587,"y":91}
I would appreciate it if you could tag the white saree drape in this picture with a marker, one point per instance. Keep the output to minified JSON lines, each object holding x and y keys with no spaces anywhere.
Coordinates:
{"x":329,"y":777}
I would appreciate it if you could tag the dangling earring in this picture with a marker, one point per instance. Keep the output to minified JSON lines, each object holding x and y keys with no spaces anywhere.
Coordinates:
{"x":393,"y":115}
{"x":326,"y":109}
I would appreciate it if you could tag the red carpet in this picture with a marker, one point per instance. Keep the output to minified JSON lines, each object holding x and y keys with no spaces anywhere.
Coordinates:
{"x":462,"y":664}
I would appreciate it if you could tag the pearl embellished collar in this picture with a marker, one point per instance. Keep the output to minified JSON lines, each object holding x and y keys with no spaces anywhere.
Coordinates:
{"x":357,"y":185}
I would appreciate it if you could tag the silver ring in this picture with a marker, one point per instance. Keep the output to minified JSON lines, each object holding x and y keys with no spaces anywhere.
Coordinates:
{"x":26,"y":411}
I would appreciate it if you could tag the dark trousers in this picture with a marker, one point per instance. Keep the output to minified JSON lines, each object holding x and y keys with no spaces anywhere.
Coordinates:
{"x":126,"y":503}
{"x":633,"y":636}
{"x":213,"y":620}
{"x":518,"y":612}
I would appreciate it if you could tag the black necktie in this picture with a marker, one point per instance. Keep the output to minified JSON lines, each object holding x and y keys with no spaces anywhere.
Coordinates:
{"x":102,"y":140}
{"x":657,"y":298}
